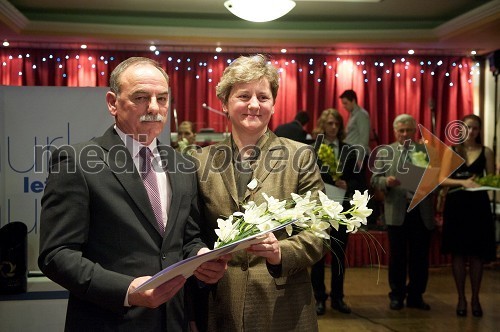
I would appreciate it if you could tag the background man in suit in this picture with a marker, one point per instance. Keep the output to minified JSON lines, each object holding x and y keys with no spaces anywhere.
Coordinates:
{"x":358,"y":125}
{"x":358,"y":128}
{"x":100,"y":237}
{"x":294,"y":130}
{"x":409,"y":232}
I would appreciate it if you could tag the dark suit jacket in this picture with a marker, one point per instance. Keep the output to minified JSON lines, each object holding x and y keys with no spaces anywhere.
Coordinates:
{"x":97,"y":234}
{"x":292,"y":130}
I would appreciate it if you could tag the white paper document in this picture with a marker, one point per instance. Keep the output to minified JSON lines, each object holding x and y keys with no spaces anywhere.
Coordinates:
{"x":482,"y":188}
{"x":188,"y":266}
{"x":410,"y":177}
{"x":334,"y":193}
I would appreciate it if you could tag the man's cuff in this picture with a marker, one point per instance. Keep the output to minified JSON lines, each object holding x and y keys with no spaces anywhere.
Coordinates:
{"x":125,"y":303}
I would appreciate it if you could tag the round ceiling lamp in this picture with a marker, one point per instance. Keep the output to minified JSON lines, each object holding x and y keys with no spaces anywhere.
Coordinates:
{"x":259,"y":10}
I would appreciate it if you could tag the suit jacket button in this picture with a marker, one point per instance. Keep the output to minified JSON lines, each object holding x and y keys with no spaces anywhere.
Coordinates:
{"x":163,"y":256}
{"x":244,"y":266}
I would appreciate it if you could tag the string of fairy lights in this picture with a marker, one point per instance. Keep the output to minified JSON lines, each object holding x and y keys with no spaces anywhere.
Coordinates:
{"x":385,"y":66}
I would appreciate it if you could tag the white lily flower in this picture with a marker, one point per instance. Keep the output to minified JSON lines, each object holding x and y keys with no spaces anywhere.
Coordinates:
{"x":360,"y":200}
{"x":249,"y":205}
{"x":353,"y":224}
{"x":318,"y":223}
{"x":268,"y":225}
{"x":319,"y":229}
{"x":362,"y":213}
{"x":274,"y":205}
{"x":257,"y":214}
{"x":289,"y":214}
{"x":360,"y":210}
{"x":227,"y":230}
{"x":303,"y":204}
{"x":332,"y":208}
{"x":297,"y":198}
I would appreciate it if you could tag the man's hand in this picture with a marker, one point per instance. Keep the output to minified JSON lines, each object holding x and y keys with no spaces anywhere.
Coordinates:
{"x":269,"y":248}
{"x":391,"y":182}
{"x":153,"y":298}
{"x":210,"y":272}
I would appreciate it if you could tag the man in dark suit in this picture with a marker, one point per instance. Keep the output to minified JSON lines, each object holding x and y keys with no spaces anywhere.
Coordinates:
{"x":294,"y":130}
{"x":100,"y":237}
{"x":409,"y":232}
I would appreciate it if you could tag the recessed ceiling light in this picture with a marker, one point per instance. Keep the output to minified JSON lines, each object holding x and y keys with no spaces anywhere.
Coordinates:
{"x":5,"y":43}
{"x":218,"y":49}
{"x":83,"y":46}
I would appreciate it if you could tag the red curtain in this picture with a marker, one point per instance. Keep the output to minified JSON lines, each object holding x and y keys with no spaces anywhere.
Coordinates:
{"x":386,"y":85}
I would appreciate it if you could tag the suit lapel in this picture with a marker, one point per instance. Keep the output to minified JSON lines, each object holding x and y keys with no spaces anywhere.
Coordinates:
{"x":272,"y":148}
{"x":120,"y":161}
{"x":167,"y":155}
{"x":223,"y":160}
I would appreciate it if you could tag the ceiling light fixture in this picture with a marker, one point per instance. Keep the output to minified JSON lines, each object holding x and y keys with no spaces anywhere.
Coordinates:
{"x":259,"y":10}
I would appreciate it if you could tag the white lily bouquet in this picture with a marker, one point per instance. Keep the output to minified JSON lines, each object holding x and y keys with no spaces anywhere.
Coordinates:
{"x":307,"y":215}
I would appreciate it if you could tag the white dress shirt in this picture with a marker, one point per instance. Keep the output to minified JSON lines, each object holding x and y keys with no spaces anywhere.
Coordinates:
{"x":161,"y":177}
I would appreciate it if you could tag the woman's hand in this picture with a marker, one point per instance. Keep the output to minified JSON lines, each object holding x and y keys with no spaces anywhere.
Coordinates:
{"x":269,"y":248}
{"x":470,"y":183}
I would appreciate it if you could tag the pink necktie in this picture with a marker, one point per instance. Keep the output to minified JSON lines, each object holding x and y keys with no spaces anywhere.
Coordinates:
{"x":149,"y":179}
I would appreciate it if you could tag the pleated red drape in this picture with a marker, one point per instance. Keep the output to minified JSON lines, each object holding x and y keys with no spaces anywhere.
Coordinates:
{"x":386,"y":85}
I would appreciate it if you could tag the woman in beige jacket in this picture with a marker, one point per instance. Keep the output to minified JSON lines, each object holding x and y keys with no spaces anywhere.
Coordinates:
{"x":266,"y":288}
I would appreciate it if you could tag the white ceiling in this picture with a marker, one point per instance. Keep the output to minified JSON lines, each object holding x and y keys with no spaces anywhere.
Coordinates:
{"x":317,"y":26}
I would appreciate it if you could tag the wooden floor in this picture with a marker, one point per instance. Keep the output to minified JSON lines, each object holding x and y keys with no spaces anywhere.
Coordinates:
{"x":366,"y":293}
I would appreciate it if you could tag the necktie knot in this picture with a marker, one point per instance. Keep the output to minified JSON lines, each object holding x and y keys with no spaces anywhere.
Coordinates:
{"x":145,"y":161}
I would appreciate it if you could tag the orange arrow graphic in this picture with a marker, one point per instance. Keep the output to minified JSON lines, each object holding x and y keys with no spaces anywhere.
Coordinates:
{"x":443,"y":161}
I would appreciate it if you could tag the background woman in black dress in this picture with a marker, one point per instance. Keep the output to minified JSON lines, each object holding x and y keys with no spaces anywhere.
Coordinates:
{"x":468,"y":226}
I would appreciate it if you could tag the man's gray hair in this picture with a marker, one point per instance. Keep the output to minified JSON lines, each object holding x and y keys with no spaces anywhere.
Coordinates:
{"x":404,"y":118}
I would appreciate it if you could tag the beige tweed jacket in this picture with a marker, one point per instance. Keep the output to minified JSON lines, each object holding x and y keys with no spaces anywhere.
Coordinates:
{"x":248,"y":298}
